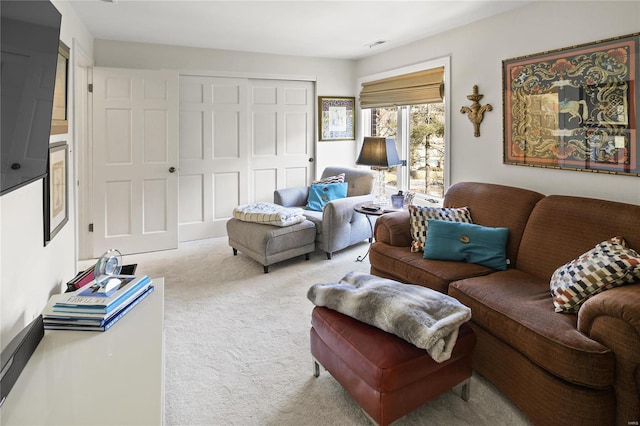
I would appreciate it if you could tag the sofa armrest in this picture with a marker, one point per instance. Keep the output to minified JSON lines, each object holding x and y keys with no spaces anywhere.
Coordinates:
{"x":342,"y":209}
{"x":291,"y":197}
{"x":612,"y":318}
{"x":621,"y":303}
{"x":393,"y":229}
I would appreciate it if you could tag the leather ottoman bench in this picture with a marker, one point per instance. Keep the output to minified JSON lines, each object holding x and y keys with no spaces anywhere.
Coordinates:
{"x":269,"y":244}
{"x":387,"y":376}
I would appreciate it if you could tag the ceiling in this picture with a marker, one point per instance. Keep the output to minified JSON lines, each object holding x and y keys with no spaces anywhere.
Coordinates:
{"x":325,"y":28}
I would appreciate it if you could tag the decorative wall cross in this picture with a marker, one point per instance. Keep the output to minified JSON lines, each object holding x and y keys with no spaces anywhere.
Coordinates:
{"x":475,"y":112}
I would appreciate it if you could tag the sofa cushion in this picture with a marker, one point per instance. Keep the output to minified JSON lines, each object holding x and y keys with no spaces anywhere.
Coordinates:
{"x":467,"y":242}
{"x":316,"y":218}
{"x":400,"y":264}
{"x":419,"y":215}
{"x":514,"y":306}
{"x":320,"y":195}
{"x":609,"y":264}
{"x":360,"y":180}
{"x":561,"y":228}
{"x":496,"y":206}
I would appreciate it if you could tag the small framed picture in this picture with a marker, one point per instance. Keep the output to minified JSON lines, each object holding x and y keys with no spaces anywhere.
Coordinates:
{"x":56,"y":187}
{"x":59,"y":119}
{"x":336,"y":118}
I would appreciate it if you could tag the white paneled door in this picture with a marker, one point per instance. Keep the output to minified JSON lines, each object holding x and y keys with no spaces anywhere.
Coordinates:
{"x":240,"y":139}
{"x":135,"y":160}
{"x":280,"y":136}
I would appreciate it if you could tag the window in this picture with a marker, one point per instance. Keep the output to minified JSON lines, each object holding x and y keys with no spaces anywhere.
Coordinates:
{"x":420,"y":142}
{"x":418,"y":128}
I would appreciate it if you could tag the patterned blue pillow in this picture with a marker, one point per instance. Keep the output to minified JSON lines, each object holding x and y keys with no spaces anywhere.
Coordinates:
{"x":320,"y":195}
{"x":467,"y":242}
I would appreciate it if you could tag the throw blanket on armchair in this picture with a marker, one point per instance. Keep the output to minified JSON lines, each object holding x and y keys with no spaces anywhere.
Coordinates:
{"x":269,"y":213}
{"x":427,"y":318}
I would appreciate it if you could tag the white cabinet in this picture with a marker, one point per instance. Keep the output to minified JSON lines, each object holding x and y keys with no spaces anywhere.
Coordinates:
{"x":96,"y":378}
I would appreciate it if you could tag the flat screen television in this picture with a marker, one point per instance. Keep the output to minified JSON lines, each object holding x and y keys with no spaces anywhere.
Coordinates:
{"x":30,"y":34}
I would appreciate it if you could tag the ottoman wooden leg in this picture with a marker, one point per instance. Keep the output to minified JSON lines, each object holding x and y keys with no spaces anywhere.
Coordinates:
{"x":235,"y":252}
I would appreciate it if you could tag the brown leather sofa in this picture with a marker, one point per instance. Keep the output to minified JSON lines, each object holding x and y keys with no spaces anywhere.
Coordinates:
{"x":558,"y":368}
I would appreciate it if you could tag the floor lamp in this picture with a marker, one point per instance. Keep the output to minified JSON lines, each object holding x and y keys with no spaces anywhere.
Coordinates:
{"x":380,"y":154}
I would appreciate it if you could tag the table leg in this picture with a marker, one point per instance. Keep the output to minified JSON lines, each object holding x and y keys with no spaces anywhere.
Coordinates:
{"x":361,"y":258}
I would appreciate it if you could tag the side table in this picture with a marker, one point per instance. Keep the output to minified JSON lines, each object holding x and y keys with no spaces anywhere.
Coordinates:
{"x":368,"y":212}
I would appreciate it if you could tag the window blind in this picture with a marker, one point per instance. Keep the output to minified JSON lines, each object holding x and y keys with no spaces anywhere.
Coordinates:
{"x":422,"y":87}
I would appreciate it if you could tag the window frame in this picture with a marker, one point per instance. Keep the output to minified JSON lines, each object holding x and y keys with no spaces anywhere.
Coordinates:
{"x":403,"y":124}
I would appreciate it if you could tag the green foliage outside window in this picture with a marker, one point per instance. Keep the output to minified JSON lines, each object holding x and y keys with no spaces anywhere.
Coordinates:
{"x":426,"y":144}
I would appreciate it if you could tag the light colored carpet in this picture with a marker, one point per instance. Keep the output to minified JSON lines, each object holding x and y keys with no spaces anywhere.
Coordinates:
{"x":237,"y":345}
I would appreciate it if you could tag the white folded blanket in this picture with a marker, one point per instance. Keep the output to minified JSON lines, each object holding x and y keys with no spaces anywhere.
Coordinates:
{"x":269,"y":213}
{"x":427,"y":318}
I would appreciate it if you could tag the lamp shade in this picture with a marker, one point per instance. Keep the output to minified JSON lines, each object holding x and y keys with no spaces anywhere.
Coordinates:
{"x":378,"y":152}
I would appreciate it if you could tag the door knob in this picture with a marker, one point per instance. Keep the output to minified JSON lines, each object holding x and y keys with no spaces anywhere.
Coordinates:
{"x":172,"y":169}
{"x":311,"y":160}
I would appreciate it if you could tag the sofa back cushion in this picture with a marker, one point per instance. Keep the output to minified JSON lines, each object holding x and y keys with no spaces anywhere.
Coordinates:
{"x":496,"y":206}
{"x":360,"y":180}
{"x":561,"y":228}
{"x":321,"y":194}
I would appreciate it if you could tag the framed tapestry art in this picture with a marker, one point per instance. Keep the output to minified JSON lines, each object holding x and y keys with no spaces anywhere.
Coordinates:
{"x":574,"y":108}
{"x":336,"y":118}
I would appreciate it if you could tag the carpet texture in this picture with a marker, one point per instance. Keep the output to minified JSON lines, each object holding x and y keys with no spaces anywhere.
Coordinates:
{"x":237,"y":345}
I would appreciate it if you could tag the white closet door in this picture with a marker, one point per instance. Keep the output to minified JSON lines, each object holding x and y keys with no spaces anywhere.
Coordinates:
{"x":280,"y":136}
{"x":213,"y":153}
{"x":240,"y":139}
{"x":135,"y":153}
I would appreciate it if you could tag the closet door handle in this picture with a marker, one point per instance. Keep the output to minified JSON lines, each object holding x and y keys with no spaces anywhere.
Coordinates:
{"x":172,"y":169}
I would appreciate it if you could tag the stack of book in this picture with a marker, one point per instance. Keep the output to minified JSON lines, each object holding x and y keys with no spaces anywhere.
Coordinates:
{"x":96,"y":307}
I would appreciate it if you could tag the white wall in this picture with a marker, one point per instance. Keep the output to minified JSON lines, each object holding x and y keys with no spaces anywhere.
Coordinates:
{"x":477,"y":51}
{"x":333,"y":77}
{"x":30,"y":272}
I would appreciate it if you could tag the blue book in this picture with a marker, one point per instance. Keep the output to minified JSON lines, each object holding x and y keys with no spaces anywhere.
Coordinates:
{"x":103,"y":298}
{"x":104,"y":325}
{"x":64,"y":313}
{"x":53,"y":310}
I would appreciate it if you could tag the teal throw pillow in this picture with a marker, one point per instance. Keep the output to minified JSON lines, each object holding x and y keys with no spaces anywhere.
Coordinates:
{"x":467,"y":242}
{"x":320,"y":195}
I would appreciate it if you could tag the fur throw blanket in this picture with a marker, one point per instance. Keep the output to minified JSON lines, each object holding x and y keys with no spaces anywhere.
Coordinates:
{"x":427,"y":318}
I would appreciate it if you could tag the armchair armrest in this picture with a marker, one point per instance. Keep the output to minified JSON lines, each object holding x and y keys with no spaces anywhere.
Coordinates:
{"x":393,"y":229}
{"x":341,"y":210}
{"x":342,"y":225}
{"x":612,"y":318}
{"x":291,"y":197}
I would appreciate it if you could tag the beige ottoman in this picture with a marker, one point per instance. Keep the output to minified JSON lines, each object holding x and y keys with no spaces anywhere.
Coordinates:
{"x":269,"y":244}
